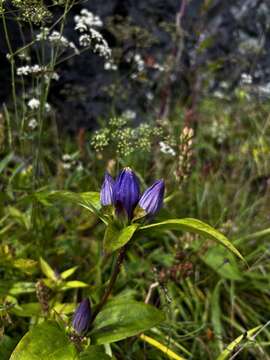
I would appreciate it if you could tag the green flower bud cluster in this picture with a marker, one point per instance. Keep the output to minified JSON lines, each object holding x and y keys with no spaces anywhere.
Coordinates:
{"x":124,"y":139}
{"x":32,"y":10}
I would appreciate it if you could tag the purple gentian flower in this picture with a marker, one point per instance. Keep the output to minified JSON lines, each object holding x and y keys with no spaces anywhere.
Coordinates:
{"x":82,"y":317}
{"x":152,"y":199}
{"x":106,"y":194}
{"x":126,"y":192}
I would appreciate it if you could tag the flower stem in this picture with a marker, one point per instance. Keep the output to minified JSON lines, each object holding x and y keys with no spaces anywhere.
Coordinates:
{"x":116,"y":270}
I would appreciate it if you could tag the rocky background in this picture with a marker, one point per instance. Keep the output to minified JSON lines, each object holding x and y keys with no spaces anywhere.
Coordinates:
{"x":173,"y":51}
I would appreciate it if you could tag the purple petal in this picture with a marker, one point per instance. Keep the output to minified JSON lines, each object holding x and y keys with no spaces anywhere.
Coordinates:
{"x":152,"y":199}
{"x":82,"y":317}
{"x":126,"y":192}
{"x":106,"y":192}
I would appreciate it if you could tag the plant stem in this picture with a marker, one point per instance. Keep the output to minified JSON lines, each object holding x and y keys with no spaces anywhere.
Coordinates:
{"x":116,"y":270}
{"x":12,"y":67}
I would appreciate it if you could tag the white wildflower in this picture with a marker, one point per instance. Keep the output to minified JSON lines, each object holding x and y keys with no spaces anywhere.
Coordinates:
{"x":166,"y":149}
{"x":158,"y":67}
{"x":48,"y":107}
{"x":150,"y":95}
{"x":246,"y":79}
{"x":86,"y":20}
{"x":79,"y":167}
{"x":85,"y":40}
{"x":66,"y":157}
{"x":109,"y":65}
{"x":139,"y":62}
{"x":55,"y":76}
{"x":32,"y":123}
{"x":33,"y":103}
{"x":129,"y":114}
{"x":56,"y":37}
{"x":103,"y":50}
{"x":34,"y":69}
{"x":23,"y":70}
{"x":67,"y":166}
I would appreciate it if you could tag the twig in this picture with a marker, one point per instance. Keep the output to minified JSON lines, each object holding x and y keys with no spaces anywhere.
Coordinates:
{"x":150,"y":291}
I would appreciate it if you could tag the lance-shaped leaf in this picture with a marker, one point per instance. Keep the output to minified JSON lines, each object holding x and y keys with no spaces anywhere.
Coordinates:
{"x":115,"y":238}
{"x":195,"y":226}
{"x":122,"y":318}
{"x":89,"y":200}
{"x":47,"y":270}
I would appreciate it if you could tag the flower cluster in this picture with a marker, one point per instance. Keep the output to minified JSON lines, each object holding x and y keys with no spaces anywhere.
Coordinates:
{"x":36,"y":70}
{"x":166,"y":149}
{"x":124,"y":195}
{"x":34,"y":104}
{"x":87,"y":20}
{"x":124,"y":139}
{"x":86,"y":23}
{"x":57,"y":39}
{"x":32,"y":124}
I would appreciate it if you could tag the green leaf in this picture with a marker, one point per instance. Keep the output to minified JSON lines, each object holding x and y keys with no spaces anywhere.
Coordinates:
{"x":28,"y":266}
{"x":22,"y":287}
{"x":47,"y":270}
{"x":116,"y":238}
{"x":27,"y":310}
{"x":67,"y":273}
{"x":94,"y":353}
{"x":89,"y":200}
{"x":74,"y":284}
{"x":195,"y":226}
{"x":227,"y":352}
{"x":223,"y":262}
{"x":122,"y":318}
{"x":64,"y":308}
{"x":46,"y":341}
{"x":5,"y":161}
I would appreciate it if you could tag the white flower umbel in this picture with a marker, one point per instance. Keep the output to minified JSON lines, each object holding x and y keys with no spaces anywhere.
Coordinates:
{"x":56,"y":38}
{"x":66,"y":157}
{"x":87,"y":20}
{"x":129,"y":114}
{"x":85,"y":40}
{"x":32,"y":124}
{"x":23,"y":70}
{"x":48,"y":107}
{"x":166,"y":149}
{"x":109,"y":65}
{"x":139,"y":62}
{"x":95,"y":39}
{"x":86,"y":23}
{"x":36,"y":70}
{"x":33,"y":103}
{"x":246,"y":79}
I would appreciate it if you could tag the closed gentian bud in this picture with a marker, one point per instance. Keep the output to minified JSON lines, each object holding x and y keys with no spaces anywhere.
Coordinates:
{"x":126,"y":192}
{"x":106,"y":192}
{"x":152,"y":199}
{"x":82,"y":317}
